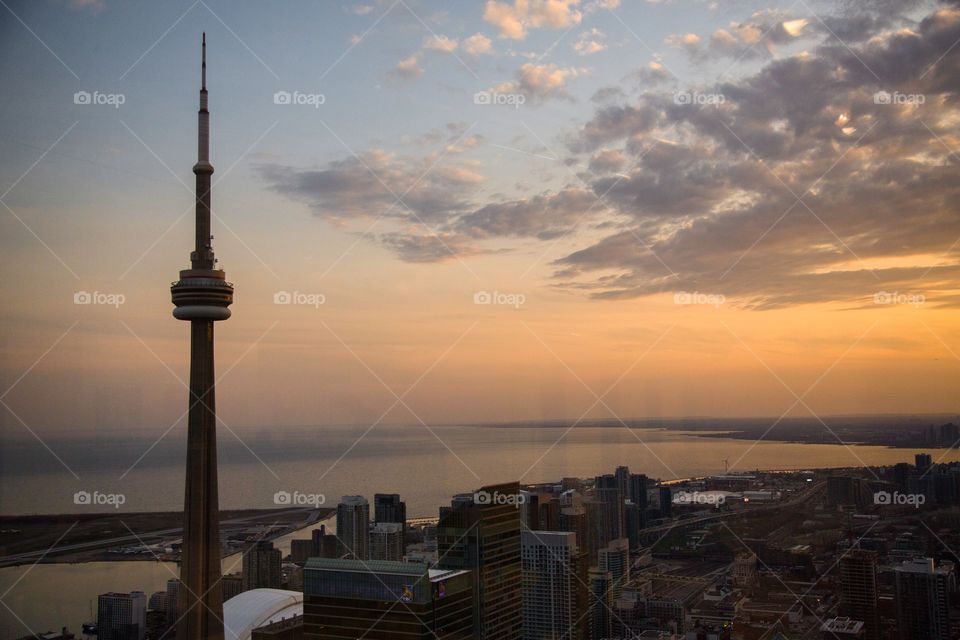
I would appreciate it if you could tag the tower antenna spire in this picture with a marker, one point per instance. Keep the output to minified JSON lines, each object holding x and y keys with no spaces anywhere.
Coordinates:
{"x":202,"y":257}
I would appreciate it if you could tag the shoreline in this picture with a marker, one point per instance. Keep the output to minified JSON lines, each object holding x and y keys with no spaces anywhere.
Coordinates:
{"x":143,"y":536}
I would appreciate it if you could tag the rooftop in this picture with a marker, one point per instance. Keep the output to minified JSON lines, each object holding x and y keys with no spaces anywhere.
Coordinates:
{"x":842,"y":625}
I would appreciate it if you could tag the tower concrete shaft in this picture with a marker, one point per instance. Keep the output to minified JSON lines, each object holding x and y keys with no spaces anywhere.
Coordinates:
{"x":201,"y":296}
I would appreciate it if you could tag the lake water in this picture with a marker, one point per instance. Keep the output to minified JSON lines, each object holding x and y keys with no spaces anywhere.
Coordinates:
{"x":425,"y":467}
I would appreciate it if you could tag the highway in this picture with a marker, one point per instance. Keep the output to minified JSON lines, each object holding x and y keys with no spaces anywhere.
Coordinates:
{"x":719,"y":515}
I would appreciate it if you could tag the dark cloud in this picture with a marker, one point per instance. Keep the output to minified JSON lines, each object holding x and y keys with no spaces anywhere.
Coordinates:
{"x":716,"y":209}
{"x":607,"y":160}
{"x":766,"y":32}
{"x":368,"y":186}
{"x":426,"y":247}
{"x":605,"y":95}
{"x":613,"y":123}
{"x":543,"y":216}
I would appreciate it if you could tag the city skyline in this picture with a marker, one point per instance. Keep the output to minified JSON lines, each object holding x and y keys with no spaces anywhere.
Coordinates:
{"x":634,"y":319}
{"x":784,"y":312}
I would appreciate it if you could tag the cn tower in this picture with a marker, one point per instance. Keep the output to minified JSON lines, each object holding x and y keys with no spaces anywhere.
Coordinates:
{"x":202,"y":296}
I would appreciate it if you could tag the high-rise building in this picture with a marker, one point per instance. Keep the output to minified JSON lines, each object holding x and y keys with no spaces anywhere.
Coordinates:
{"x":324,"y":544}
{"x":301,"y":551}
{"x":615,"y":560}
{"x":554,"y":586}
{"x":638,"y":484}
{"x":201,"y":296}
{"x":381,"y":600}
{"x":173,"y":601}
{"x":387,"y":507}
{"x":232,"y":585}
{"x":607,"y":490}
{"x":923,"y":461}
{"x":666,"y":501}
{"x":633,"y":523}
{"x":530,"y":510}
{"x":481,"y":532}
{"x":261,"y":566}
{"x":540,"y":509}
{"x":353,"y":521}
{"x":122,"y":616}
{"x":573,"y":517}
{"x":157,"y":601}
{"x":622,"y":474}
{"x":858,"y":589}
{"x":600,"y":605}
{"x":901,"y":475}
{"x":923,"y":591}
{"x":387,"y":541}
{"x":847,"y":491}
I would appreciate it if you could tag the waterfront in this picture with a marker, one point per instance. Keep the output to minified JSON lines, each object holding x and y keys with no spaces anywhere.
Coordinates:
{"x":426,"y":470}
{"x":48,"y":596}
{"x":425,"y":466}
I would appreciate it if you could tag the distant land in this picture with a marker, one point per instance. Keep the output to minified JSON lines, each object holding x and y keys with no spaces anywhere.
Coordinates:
{"x":939,"y":431}
{"x":933,"y":430}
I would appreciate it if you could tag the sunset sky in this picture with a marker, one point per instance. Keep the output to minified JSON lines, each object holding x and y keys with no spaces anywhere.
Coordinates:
{"x":685,"y":208}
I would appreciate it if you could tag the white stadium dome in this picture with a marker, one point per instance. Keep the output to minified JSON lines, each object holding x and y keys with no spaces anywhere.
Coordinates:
{"x":258,"y":607}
